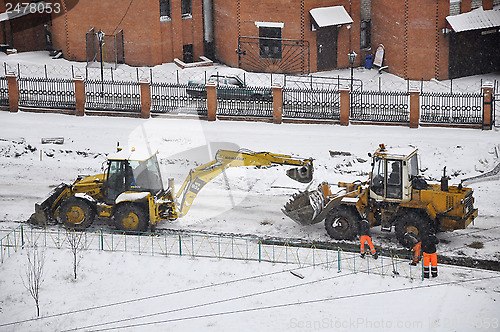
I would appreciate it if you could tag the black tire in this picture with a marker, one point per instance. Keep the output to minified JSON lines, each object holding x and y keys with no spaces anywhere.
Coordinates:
{"x":342,"y":223}
{"x":131,"y":217}
{"x":76,"y":213}
{"x":412,"y":222}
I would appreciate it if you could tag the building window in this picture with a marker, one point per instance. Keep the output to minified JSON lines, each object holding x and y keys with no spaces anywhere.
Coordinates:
{"x":186,"y":8}
{"x":164,"y":10}
{"x":270,"y":42}
{"x":365,"y":34}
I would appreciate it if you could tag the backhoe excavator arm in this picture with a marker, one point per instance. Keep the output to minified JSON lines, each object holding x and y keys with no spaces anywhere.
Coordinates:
{"x":201,"y":175}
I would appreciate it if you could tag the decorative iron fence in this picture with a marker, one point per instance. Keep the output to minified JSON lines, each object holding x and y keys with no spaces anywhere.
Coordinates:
{"x":249,"y":101}
{"x":211,"y":246}
{"x":495,"y":110}
{"x":311,"y":104}
{"x":452,"y":108}
{"x":46,"y":92}
{"x":4,"y":92}
{"x":112,"y":95}
{"x":173,"y":99}
{"x":378,"y":106}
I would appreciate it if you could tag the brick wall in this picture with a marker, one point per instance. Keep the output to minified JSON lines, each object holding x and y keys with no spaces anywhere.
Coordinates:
{"x":147,"y":41}
{"x":415,"y":47}
{"x":238,"y":17}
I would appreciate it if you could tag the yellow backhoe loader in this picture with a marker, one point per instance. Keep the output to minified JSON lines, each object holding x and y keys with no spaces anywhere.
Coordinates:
{"x":394,"y":195}
{"x":131,"y":192}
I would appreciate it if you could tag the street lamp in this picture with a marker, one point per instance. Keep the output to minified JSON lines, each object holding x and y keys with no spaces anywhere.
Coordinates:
{"x":100,"y":38}
{"x":352,"y":58}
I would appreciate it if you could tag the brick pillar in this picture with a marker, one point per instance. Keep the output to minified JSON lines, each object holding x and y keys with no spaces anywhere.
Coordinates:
{"x":487,"y":105}
{"x":79,"y":96}
{"x":277,"y":103}
{"x":487,"y":4}
{"x":414,"y":108}
{"x":13,"y":92}
{"x":465,"y":6}
{"x":211,"y":101}
{"x":345,"y":106}
{"x":145,"y":99}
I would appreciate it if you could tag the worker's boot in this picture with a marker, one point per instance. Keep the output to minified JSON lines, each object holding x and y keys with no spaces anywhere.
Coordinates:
{"x":413,"y":263}
{"x":426,"y":272}
{"x":362,"y":255}
{"x":434,"y":271}
{"x":375,"y":255}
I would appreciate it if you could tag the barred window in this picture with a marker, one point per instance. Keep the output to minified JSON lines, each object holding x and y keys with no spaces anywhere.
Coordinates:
{"x":164,"y":10}
{"x":365,"y":34}
{"x":270,"y":42}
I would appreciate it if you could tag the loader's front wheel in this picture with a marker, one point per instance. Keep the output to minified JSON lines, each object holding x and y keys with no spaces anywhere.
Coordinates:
{"x":76,"y":213}
{"x":131,"y":218}
{"x":342,"y":223}
{"x":411,"y":222}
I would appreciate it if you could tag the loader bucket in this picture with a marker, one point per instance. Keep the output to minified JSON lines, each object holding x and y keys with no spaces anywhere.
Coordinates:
{"x":44,"y":211}
{"x":304,"y":207}
{"x":302,"y":174}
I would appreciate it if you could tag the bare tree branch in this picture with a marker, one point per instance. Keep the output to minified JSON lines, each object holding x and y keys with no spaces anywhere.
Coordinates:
{"x":34,"y":274}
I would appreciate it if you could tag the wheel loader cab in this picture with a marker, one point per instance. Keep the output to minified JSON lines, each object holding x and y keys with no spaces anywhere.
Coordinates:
{"x":392,"y":174}
{"x":131,"y":174}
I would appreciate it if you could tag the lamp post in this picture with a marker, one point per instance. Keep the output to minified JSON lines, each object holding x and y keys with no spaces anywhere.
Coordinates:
{"x":352,"y":57}
{"x":100,"y":38}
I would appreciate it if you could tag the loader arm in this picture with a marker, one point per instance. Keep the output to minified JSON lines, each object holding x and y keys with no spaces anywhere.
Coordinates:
{"x":198,"y":177}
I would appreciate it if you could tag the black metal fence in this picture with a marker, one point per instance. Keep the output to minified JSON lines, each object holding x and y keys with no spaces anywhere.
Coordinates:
{"x":495,"y":110}
{"x":46,"y":92}
{"x":451,"y":108}
{"x":249,"y":101}
{"x":114,"y":96}
{"x":311,"y":104}
{"x":4,"y":92}
{"x":389,"y":106}
{"x":173,"y":99}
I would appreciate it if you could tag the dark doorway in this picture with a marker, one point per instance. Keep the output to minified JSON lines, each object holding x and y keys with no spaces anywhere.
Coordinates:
{"x":326,"y":42}
{"x":474,"y":52}
{"x":188,"y":55}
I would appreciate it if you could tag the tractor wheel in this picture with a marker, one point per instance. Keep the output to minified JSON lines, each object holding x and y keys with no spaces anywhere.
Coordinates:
{"x":342,"y":223}
{"x":411,"y":222}
{"x":131,"y":218}
{"x":76,"y":213}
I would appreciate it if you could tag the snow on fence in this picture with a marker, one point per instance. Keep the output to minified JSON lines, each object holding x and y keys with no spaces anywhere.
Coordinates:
{"x":172,"y":99}
{"x":46,"y":92}
{"x":4,"y":92}
{"x":308,"y":103}
{"x":212,"y":246}
{"x":457,"y":108}
{"x":380,"y":106}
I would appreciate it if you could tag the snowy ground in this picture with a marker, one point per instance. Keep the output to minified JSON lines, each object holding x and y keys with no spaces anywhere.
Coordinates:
{"x":144,"y":293}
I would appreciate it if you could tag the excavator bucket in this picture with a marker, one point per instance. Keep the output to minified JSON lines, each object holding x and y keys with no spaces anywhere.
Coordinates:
{"x":44,"y":210}
{"x":305,"y":206}
{"x":302,"y":174}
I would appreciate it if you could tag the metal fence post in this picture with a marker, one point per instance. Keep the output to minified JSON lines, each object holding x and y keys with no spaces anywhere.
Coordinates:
{"x":180,"y":245}
{"x":260,"y":251}
{"x":102,"y":239}
{"x":22,"y":236}
{"x":338,"y":259}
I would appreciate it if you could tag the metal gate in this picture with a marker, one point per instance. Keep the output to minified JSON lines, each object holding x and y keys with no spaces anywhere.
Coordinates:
{"x":112,"y":49}
{"x":294,"y":56}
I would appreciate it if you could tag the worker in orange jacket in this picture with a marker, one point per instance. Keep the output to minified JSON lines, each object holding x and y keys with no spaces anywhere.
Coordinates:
{"x":429,"y":242}
{"x":416,"y":247}
{"x":364,"y":232}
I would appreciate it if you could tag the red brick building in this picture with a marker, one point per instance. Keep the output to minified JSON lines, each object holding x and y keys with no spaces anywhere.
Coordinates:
{"x":267,"y":35}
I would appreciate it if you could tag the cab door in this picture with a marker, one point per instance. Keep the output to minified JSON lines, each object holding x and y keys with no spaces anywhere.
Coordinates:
{"x":386,"y":182}
{"x":119,"y":178}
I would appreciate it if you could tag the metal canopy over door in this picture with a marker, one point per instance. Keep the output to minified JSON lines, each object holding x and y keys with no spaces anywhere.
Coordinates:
{"x":326,"y":42}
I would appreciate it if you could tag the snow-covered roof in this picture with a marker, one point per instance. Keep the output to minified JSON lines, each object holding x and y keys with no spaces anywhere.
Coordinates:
{"x":475,"y":20}
{"x":328,"y":16}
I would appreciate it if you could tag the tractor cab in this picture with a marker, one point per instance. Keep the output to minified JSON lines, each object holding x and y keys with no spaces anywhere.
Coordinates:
{"x":393,"y":173}
{"x":131,"y":172}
